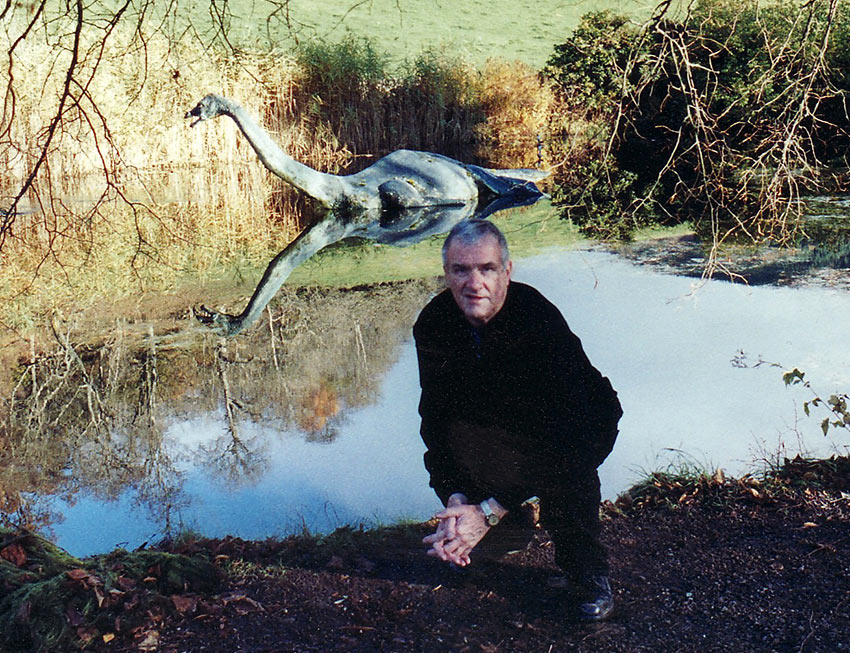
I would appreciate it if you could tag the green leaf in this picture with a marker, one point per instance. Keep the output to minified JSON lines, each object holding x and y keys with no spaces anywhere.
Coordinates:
{"x":825,"y":426}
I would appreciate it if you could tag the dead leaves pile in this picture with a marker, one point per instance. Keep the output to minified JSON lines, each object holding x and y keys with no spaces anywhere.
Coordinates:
{"x":52,"y":601}
{"x":831,"y":474}
{"x":799,"y":480}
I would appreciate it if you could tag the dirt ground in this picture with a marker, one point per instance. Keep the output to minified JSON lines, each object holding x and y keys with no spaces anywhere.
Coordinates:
{"x":731,"y":572}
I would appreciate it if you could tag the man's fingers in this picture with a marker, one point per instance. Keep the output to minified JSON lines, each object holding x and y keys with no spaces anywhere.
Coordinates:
{"x":454,"y":551}
{"x":451,"y":528}
{"x":450,"y":546}
{"x":453,"y":511}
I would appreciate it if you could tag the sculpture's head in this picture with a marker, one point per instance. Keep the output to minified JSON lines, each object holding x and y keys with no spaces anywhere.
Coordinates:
{"x":211,"y":106}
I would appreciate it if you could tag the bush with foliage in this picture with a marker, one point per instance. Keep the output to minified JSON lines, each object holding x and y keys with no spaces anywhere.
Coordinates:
{"x":722,"y":116}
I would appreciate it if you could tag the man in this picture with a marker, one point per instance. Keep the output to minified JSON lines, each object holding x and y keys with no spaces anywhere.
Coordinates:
{"x":511,"y":408}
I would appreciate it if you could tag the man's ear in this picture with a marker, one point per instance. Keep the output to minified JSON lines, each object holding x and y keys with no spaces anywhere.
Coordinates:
{"x":508,"y":268}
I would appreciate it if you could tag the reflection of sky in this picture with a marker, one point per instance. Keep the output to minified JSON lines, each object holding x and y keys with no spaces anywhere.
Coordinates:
{"x":372,"y":471}
{"x":667,"y":351}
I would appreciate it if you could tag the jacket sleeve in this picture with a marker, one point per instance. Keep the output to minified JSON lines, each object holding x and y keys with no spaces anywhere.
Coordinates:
{"x":435,"y":409}
{"x":586,"y":410}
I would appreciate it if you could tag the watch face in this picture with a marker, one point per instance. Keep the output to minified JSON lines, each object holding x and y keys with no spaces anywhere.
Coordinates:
{"x":492,"y":519}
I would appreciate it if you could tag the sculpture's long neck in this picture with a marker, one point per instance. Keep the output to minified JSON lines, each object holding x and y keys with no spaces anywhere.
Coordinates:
{"x":327,"y":189}
{"x":308,"y":243}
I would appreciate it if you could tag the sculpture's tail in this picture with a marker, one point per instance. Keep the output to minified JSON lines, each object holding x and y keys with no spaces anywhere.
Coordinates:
{"x":525,"y":174}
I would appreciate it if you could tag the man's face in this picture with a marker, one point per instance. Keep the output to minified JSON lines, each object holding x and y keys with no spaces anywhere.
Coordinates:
{"x":476,"y":277}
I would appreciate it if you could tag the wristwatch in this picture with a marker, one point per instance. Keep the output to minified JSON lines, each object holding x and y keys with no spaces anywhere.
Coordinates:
{"x":490,"y":517}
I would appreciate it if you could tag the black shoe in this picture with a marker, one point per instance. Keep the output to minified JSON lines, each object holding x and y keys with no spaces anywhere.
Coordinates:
{"x":598,"y":601}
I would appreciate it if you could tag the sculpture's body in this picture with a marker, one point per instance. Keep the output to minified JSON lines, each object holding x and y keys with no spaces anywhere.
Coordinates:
{"x":400,"y":199}
{"x":403,"y":179}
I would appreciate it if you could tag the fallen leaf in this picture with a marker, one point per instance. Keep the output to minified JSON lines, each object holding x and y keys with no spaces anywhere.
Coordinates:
{"x":149,"y":641}
{"x":241,"y":601}
{"x":108,"y":637}
{"x":15,"y":554}
{"x":87,"y":634}
{"x":77,"y":574}
{"x":184,"y":603}
{"x":83,"y":577}
{"x":125,"y":583}
{"x":810,"y":524}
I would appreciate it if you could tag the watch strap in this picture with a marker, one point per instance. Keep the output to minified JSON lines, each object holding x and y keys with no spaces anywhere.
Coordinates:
{"x":490,"y":517}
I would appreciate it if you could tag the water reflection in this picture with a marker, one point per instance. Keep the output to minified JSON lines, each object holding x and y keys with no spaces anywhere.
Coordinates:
{"x":399,"y":227}
{"x":309,"y":420}
{"x":669,"y":345}
{"x":132,"y":425}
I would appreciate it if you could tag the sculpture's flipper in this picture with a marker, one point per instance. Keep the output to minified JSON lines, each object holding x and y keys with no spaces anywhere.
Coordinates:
{"x":398,"y":194}
{"x":502,"y":184}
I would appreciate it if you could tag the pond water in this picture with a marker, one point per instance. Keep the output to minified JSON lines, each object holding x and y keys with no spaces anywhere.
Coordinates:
{"x":690,"y":362}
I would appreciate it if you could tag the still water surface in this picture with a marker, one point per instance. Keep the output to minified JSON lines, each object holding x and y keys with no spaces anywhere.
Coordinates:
{"x":668,"y":347}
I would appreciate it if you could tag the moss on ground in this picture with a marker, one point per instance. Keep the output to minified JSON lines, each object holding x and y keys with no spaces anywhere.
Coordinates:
{"x":53,"y":601}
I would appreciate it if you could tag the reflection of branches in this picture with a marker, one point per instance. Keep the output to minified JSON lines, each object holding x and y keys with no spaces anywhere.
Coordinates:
{"x":230,"y":404}
{"x":160,"y":489}
{"x":146,"y":403}
{"x":229,"y":455}
{"x":70,"y":430}
{"x":235,"y":460}
{"x":82,"y":420}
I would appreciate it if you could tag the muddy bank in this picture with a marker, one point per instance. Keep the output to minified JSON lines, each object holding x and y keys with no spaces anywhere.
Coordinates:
{"x":701,"y":564}
{"x":805,"y":265}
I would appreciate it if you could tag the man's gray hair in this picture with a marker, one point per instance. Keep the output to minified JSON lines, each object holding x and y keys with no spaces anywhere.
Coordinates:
{"x":471,"y":231}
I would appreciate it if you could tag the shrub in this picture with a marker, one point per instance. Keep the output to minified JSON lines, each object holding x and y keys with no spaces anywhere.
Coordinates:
{"x":720,"y":117}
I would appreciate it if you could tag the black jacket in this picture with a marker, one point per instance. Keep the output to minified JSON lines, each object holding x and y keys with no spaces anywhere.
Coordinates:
{"x":512,"y":407}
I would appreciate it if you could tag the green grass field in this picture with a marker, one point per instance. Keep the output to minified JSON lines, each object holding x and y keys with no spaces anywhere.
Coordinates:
{"x":475,"y":30}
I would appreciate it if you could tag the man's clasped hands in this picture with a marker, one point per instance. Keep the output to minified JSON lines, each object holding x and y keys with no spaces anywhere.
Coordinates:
{"x":461,"y":527}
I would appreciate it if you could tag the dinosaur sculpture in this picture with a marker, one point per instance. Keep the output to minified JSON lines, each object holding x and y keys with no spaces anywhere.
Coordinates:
{"x":400,"y":199}
{"x":400,"y":180}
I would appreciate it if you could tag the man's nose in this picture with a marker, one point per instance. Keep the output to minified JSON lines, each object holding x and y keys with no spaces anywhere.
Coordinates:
{"x":476,"y":279}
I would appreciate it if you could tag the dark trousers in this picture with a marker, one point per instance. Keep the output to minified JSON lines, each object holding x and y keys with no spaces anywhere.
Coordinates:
{"x":570,"y":514}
